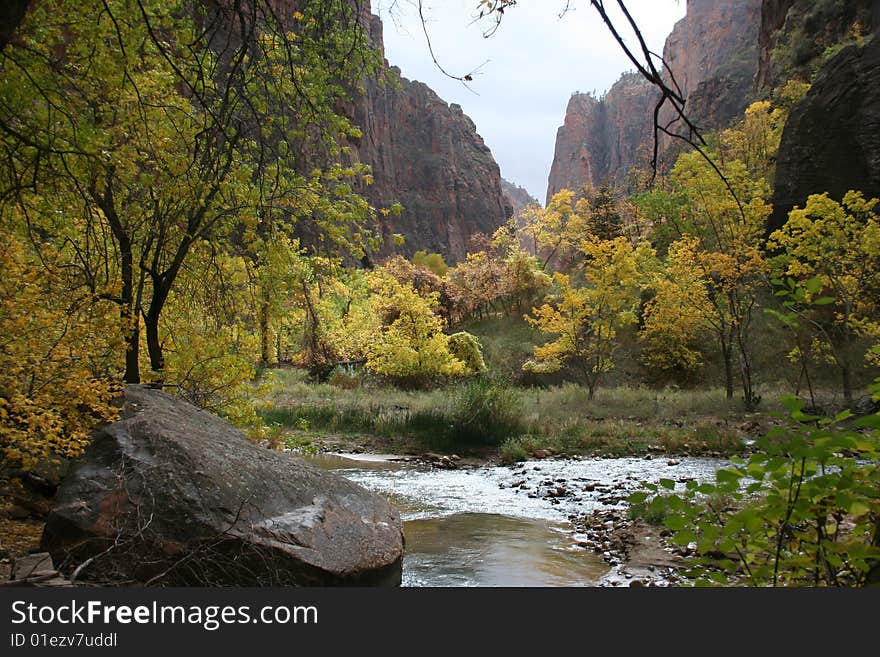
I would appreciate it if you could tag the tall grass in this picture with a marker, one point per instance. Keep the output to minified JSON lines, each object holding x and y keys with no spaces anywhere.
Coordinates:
{"x":480,"y":414}
{"x":474,"y":414}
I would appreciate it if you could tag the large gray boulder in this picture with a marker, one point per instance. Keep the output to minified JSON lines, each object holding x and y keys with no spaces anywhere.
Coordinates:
{"x":173,"y":495}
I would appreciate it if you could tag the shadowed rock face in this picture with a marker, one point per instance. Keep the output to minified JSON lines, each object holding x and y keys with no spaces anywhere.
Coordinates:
{"x":804,"y":29}
{"x":186,"y":499}
{"x":831,"y":142}
{"x":427,"y":155}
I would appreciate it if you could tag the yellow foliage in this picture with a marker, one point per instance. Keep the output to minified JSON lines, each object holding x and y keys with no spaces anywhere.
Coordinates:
{"x":411,"y":343}
{"x":839,"y":245}
{"x":53,"y":358}
{"x":585,"y":320}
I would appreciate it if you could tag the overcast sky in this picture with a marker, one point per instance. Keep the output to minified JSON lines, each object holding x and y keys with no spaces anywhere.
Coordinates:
{"x":525,"y":73}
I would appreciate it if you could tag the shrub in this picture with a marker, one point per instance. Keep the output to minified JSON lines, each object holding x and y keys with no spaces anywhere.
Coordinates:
{"x":346,"y":377}
{"x":466,"y":348}
{"x":804,"y":510}
{"x":484,"y":413}
{"x":513,"y":451}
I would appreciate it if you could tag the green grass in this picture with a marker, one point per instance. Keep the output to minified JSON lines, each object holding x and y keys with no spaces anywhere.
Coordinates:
{"x":469,"y":415}
{"x":515,"y":422}
{"x":507,"y":343}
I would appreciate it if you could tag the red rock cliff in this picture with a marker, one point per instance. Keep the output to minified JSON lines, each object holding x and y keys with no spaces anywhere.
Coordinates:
{"x":426,"y":154}
{"x":713,"y":54}
{"x":602,"y":139}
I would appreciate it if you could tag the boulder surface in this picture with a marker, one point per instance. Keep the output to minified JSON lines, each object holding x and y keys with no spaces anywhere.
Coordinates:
{"x":172,"y":495}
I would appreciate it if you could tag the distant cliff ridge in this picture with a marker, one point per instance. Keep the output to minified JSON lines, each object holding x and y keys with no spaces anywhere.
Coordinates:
{"x":517,"y":197}
{"x":602,"y":138}
{"x":713,"y":54}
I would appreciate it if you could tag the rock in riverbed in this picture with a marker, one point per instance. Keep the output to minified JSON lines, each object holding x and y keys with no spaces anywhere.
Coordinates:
{"x":173,"y":495}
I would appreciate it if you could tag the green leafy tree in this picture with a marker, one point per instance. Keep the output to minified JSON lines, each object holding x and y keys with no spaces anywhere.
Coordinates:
{"x":837,"y":246}
{"x":137,"y":129}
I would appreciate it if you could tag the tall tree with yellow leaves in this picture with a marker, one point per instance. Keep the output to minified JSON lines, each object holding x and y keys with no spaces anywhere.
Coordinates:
{"x":585,"y":319}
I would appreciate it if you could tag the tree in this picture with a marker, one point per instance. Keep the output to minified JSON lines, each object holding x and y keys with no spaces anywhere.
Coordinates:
{"x":54,"y":357}
{"x":410,"y":345}
{"x":585,"y":320}
{"x":838,"y":246}
{"x":136,"y":129}
{"x":558,"y":229}
{"x":605,"y":220}
{"x":725,"y":247}
{"x":672,"y":323}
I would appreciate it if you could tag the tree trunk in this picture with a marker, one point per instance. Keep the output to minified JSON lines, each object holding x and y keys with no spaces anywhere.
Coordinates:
{"x":161,"y":288}
{"x":727,"y":351}
{"x":129,"y":310}
{"x":846,"y":375}
{"x":745,"y":368}
{"x":265,"y":356}
{"x":154,"y":347}
{"x":132,"y":347}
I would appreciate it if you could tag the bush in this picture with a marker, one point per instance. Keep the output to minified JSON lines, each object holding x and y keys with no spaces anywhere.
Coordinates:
{"x":513,"y":451}
{"x":466,"y":347}
{"x":346,"y":377}
{"x":484,"y":413}
{"x":803,"y":510}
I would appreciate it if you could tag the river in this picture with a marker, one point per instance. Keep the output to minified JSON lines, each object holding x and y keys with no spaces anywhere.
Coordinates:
{"x":506,"y":525}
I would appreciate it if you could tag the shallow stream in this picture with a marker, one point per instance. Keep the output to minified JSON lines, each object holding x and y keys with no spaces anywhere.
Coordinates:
{"x":506,"y":526}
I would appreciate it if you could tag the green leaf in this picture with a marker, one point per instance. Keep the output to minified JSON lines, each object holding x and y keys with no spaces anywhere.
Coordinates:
{"x":676,"y":522}
{"x":813,"y":285}
{"x":637,"y":498}
{"x":727,"y":476}
{"x":684,"y":536}
{"x":668,"y":484}
{"x":792,"y":404}
{"x":823,"y":301}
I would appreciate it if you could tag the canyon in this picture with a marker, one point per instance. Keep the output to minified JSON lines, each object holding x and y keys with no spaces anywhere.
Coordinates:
{"x":427,"y":156}
{"x":712,"y":55}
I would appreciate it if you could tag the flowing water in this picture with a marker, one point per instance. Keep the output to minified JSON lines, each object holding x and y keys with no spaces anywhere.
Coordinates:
{"x":506,"y":526}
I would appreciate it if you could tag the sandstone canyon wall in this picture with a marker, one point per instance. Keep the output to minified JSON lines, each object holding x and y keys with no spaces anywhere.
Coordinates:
{"x":831,"y":142}
{"x":426,"y":155}
{"x":796,"y":34}
{"x":713,"y":54}
{"x":602,"y":138}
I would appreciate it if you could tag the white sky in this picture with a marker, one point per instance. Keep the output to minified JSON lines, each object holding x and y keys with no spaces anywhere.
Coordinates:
{"x":526,"y":72}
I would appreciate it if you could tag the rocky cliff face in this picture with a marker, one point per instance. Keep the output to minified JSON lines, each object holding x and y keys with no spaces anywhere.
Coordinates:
{"x":713,"y":54}
{"x":795,"y":34}
{"x":831,"y":142}
{"x":601,"y":139}
{"x":426,"y":155}
{"x":516,"y":197}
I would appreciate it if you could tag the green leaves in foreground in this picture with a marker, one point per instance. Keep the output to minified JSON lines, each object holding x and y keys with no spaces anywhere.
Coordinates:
{"x":802,"y":511}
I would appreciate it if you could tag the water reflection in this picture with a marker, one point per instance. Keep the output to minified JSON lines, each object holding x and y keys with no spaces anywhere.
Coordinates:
{"x":482,"y":549}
